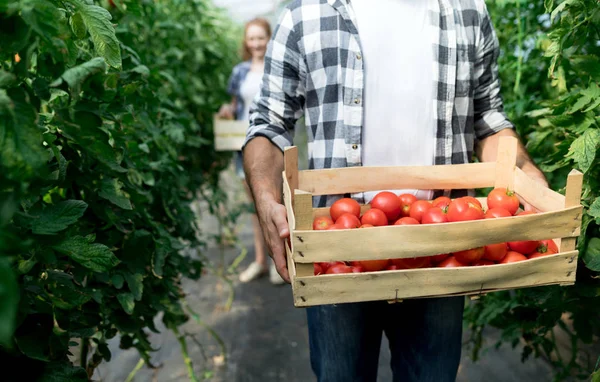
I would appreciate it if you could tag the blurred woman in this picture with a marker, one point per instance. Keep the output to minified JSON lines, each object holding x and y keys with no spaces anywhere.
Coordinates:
{"x":244,"y":85}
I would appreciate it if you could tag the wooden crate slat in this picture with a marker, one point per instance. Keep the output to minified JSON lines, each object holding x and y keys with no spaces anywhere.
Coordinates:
{"x":360,"y":179}
{"x":544,"y":199}
{"x":391,"y":285}
{"x":425,"y":240}
{"x":572,"y":198}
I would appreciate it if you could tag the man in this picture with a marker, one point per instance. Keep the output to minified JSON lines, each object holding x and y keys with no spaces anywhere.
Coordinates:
{"x":381,"y":82}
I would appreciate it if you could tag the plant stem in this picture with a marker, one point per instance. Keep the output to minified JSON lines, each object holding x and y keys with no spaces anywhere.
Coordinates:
{"x":137,"y":368}
{"x":83,"y":355}
{"x":186,"y":357}
{"x":520,"y":44}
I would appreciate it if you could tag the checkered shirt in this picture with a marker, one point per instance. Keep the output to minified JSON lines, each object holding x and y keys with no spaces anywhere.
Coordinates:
{"x":314,"y":67}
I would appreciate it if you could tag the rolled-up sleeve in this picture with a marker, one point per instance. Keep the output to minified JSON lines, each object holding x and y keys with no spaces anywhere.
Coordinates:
{"x":490,"y":117}
{"x":280,"y":102}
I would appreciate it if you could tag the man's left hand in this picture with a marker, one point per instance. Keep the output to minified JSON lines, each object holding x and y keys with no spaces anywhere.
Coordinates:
{"x":538,"y":176}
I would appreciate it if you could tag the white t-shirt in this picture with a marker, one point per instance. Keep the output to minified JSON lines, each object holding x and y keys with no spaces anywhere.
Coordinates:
{"x":396,"y":41}
{"x":249,"y":88}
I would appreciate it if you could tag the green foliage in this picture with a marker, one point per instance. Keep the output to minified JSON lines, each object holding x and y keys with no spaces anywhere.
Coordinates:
{"x":105,"y":138}
{"x":550,"y":70}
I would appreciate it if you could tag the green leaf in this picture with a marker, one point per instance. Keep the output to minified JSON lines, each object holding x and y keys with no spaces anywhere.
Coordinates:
{"x":57,"y":217}
{"x":6,"y":79}
{"x":107,"y":155}
{"x":96,"y":257}
{"x":63,"y":372}
{"x":43,"y":17}
{"x":583,"y":149}
{"x":580,"y":104}
{"x":97,"y":21}
{"x":127,"y":302}
{"x":594,"y":209}
{"x":111,"y":191}
{"x":75,"y":77}
{"x":596,"y":376}
{"x":591,"y":256}
{"x":560,"y":8}
{"x":136,"y":284}
{"x":78,"y":25}
{"x":9,"y":295}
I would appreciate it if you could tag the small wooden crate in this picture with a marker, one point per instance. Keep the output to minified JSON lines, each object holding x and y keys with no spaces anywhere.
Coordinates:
{"x":559,"y":217}
{"x":229,"y":134}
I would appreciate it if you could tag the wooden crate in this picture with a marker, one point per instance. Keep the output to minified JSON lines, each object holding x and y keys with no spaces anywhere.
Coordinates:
{"x":560,"y":217}
{"x":229,"y":134}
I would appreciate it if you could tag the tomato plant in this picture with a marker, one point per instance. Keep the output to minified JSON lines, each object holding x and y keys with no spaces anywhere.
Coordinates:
{"x":106,"y":141}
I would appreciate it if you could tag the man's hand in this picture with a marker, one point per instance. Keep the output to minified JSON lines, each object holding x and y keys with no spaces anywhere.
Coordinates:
{"x":273,"y":220}
{"x":487,"y":150}
{"x":538,"y":176}
{"x":263,"y":164}
{"x":226,"y":112}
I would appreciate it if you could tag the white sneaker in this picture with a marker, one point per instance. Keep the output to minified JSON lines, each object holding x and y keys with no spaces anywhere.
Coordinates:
{"x":254,"y":271}
{"x":274,"y":276}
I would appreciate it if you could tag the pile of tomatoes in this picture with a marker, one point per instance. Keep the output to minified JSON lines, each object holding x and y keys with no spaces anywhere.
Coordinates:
{"x":388,"y":208}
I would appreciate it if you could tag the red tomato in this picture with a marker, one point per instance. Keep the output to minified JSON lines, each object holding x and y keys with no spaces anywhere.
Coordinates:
{"x":406,"y":200}
{"x":358,"y":269}
{"x":451,"y":262}
{"x":348,"y":221}
{"x":525,"y":247}
{"x":367,"y":226}
{"x":335,"y":227}
{"x":434,"y":215}
{"x":318,"y":269}
{"x":371,"y":265}
{"x":548,"y":245}
{"x":470,"y":255}
{"x":418,"y":208}
{"x":512,"y":257}
{"x":325,"y":266}
{"x":503,"y":198}
{"x":483,"y":262}
{"x":495,"y":252}
{"x":439,"y":258}
{"x":342,"y":206}
{"x":535,"y":255}
{"x":526,"y":213}
{"x":375,"y":217}
{"x":473,"y":200}
{"x":389,"y":203}
{"x":392,"y":267}
{"x":340,"y":268}
{"x":406,"y":221}
{"x":463,"y":209}
{"x":322,"y":223}
{"x":412,"y":263}
{"x":497,"y":213}
{"x":442,"y":202}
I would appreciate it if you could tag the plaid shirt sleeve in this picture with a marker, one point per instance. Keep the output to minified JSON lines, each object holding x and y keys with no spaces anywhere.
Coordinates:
{"x":490,"y":117}
{"x":280,"y":102}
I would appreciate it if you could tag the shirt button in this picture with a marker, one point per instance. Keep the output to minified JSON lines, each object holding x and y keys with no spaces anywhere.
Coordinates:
{"x":354,"y":147}
{"x":358,"y":56}
{"x":357,"y":100}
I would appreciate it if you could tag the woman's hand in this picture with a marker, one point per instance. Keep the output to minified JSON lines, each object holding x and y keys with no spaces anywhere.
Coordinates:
{"x":226,"y":112}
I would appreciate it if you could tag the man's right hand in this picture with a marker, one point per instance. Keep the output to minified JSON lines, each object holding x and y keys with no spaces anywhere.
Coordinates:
{"x":273,"y":220}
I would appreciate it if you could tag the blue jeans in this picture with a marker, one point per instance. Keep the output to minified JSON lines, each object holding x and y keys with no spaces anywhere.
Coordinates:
{"x":425,"y":338}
